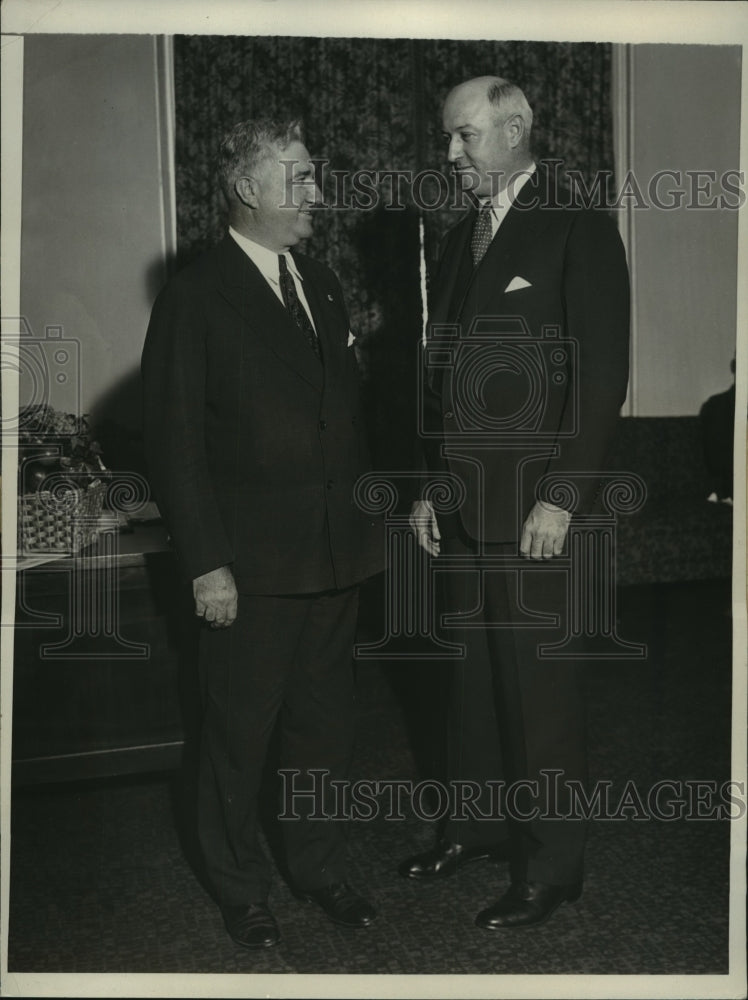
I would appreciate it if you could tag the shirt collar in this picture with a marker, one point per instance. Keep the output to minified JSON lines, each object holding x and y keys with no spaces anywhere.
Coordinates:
{"x":502,"y":201}
{"x":266,"y":261}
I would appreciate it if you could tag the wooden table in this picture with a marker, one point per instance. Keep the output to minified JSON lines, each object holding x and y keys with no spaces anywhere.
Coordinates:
{"x":104,"y":666}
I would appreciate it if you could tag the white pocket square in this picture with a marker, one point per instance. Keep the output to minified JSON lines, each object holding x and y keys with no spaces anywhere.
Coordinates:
{"x":351,"y":338}
{"x":516,"y":283}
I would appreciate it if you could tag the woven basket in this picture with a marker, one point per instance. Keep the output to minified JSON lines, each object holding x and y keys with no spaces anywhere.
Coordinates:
{"x":63,"y":520}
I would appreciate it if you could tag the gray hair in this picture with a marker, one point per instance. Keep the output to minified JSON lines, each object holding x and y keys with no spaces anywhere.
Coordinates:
{"x":510,"y":100}
{"x":248,"y":144}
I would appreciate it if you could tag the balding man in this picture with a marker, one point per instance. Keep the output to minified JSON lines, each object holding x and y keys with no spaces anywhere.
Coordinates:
{"x":255,"y":437}
{"x":531,"y":310}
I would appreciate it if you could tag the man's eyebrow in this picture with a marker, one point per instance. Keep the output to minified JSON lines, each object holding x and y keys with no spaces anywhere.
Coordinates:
{"x":305,"y":172}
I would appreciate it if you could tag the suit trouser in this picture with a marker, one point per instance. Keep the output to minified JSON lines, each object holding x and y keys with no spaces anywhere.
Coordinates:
{"x":513,"y":715}
{"x":287,"y":656}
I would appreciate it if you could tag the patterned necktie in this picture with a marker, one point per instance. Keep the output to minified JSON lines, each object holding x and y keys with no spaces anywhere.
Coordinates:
{"x":296,"y":310}
{"x":482,"y":233}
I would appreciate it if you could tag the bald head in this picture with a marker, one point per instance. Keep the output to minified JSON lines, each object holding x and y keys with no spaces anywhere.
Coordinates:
{"x":504,"y":96}
{"x":488,"y":123}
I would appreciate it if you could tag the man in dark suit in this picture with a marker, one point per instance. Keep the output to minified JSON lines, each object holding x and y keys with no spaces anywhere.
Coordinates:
{"x":254,"y":439}
{"x":528,"y":342}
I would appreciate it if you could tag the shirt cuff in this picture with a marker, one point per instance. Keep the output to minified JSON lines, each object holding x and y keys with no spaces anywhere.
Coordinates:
{"x":551,"y":508}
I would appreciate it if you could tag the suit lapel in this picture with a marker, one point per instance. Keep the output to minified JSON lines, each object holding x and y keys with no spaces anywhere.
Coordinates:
{"x":455,"y":253}
{"x":522,"y":224}
{"x":264,"y":314}
{"x":321,"y":306}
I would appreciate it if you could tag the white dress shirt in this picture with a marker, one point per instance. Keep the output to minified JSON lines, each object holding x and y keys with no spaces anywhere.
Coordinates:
{"x":503,"y":201}
{"x":266,"y":263}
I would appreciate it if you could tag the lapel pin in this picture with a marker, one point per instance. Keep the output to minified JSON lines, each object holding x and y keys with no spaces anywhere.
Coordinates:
{"x":329,"y":297}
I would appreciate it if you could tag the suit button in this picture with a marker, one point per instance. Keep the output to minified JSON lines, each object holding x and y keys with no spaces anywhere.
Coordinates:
{"x":353,"y":420}
{"x":448,"y":415}
{"x":330,"y":483}
{"x":323,"y":425}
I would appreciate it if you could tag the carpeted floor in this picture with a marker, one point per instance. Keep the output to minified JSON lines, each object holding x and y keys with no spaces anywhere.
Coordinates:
{"x":104,"y":875}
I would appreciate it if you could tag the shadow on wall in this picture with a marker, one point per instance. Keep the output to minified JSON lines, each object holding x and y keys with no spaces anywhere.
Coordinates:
{"x":116,"y":423}
{"x":116,"y":417}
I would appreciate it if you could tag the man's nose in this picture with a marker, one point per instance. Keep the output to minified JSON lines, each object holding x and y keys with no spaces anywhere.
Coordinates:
{"x":455,"y":149}
{"x":310,"y":193}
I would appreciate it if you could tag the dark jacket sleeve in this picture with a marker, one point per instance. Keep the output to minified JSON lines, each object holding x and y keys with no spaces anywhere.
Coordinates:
{"x":596,"y":306}
{"x":174,"y":366}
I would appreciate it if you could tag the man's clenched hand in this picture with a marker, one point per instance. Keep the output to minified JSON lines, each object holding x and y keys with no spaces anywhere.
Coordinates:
{"x":544,"y":531}
{"x":216,"y":597}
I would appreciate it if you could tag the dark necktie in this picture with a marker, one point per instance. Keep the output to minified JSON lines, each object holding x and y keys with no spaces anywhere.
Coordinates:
{"x":292,"y":302}
{"x":482,"y":234}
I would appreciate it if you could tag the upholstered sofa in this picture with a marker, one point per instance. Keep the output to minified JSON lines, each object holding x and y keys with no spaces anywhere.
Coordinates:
{"x":677,"y":534}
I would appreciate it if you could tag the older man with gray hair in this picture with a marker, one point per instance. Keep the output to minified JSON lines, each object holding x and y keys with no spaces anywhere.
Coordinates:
{"x":531,"y":306}
{"x":255,"y":438}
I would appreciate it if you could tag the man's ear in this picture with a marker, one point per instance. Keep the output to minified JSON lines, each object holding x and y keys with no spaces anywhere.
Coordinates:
{"x":515,"y":130}
{"x":246,"y":191}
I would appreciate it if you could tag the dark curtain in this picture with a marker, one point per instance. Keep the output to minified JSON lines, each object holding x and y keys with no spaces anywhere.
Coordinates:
{"x":375,"y":105}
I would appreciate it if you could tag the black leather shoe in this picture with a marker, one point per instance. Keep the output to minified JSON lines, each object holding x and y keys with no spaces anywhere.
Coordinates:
{"x":527,"y":903}
{"x":252,"y":926}
{"x":447,"y":858}
{"x":342,"y":904}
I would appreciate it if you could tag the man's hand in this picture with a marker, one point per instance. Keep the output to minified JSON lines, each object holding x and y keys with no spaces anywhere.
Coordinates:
{"x":216,"y":597}
{"x":544,"y":531}
{"x":423,"y":521}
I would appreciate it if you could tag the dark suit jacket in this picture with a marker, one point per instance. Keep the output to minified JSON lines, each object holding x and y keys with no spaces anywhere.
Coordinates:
{"x":527,"y":383}
{"x":253,"y":446}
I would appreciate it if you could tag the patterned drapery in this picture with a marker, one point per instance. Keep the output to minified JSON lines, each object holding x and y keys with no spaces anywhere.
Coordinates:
{"x":374,"y":105}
